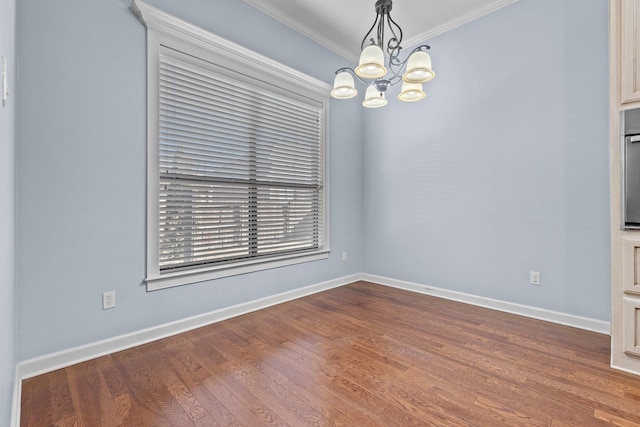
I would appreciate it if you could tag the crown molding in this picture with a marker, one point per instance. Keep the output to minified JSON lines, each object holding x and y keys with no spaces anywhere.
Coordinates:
{"x":461,"y":20}
{"x":292,"y":22}
{"x":284,"y":17}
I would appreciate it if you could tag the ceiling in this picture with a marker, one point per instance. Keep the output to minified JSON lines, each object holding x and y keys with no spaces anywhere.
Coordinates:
{"x":340,"y":25}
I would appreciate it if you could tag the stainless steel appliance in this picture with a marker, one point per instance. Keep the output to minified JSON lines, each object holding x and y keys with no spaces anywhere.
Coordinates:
{"x":631,"y":170}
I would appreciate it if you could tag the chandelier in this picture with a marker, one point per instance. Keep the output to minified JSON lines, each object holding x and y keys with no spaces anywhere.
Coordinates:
{"x":371,"y":71}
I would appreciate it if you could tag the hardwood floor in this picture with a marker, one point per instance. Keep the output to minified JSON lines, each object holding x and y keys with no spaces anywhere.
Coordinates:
{"x":359,"y":355}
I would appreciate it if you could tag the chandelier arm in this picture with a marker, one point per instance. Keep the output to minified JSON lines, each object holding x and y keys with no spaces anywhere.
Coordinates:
{"x":381,"y":32}
{"x":400,"y":65}
{"x":352,"y":71}
{"x":397,"y":67}
{"x":369,"y":33}
{"x":398,"y":27}
{"x":394,"y":45}
{"x":397,"y":78}
{"x":392,"y":81}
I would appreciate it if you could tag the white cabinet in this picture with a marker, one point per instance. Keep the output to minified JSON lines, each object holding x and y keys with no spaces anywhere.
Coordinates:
{"x":631,"y":295}
{"x":631,"y":326}
{"x":631,"y":266}
{"x":630,"y":51}
{"x":624,"y":73}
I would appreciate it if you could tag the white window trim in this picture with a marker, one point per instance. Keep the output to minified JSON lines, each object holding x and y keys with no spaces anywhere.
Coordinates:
{"x":164,"y":29}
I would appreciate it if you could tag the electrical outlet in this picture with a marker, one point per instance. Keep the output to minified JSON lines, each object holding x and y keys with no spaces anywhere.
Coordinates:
{"x":108,"y":300}
{"x":534,"y":277}
{"x":344,"y":255}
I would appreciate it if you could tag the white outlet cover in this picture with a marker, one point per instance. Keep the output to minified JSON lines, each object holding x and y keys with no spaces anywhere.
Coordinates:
{"x":534,"y":277}
{"x":108,"y":300}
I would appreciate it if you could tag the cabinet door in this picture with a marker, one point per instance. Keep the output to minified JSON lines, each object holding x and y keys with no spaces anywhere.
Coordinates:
{"x":631,"y":266}
{"x":630,"y":51}
{"x":631,"y":326}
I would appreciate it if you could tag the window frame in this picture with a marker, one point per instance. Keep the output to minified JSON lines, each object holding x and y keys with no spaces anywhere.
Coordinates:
{"x":165,"y":31}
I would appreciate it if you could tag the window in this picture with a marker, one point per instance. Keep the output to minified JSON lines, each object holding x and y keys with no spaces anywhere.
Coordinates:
{"x":236,"y":158}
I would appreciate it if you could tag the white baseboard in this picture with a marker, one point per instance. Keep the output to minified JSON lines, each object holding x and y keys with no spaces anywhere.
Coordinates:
{"x":50,"y":362}
{"x":47,"y":363}
{"x":585,"y":323}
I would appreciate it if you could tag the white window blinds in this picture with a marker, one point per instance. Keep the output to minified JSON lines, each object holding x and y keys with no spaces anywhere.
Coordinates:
{"x":240,"y":169}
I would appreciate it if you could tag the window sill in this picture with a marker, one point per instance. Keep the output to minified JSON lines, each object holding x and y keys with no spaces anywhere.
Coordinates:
{"x":169,"y":280}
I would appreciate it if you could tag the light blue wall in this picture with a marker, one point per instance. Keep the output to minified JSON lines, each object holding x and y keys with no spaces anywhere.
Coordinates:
{"x":81,"y":171}
{"x":7,"y":214}
{"x":504,"y":168}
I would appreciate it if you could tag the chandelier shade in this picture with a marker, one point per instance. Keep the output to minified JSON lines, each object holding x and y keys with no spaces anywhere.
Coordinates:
{"x":378,"y":74}
{"x":419,"y":68}
{"x":344,"y":86}
{"x":374,"y":98}
{"x":411,"y":92}
{"x":371,"y":63}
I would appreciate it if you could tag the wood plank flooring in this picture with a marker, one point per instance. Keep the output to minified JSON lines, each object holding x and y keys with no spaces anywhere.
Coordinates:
{"x":359,"y":355}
